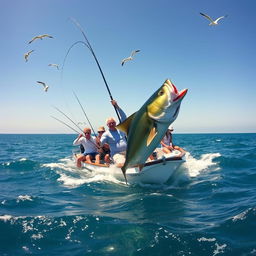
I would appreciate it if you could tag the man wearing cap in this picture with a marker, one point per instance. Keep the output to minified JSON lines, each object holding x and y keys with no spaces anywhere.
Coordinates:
{"x":115,"y":138}
{"x":90,"y":148}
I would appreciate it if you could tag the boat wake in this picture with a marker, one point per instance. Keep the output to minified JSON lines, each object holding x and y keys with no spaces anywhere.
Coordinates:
{"x":70,"y":176}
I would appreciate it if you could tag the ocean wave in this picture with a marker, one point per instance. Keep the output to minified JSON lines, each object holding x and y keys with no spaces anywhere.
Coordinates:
{"x":20,"y":201}
{"x":22,"y":164}
{"x":237,"y":162}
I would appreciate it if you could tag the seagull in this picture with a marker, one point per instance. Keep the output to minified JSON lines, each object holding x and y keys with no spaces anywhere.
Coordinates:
{"x":39,"y":37}
{"x":26,"y":55}
{"x":45,"y":86}
{"x":130,"y":57}
{"x":81,"y":123}
{"x":213,"y":22}
{"x":54,"y":65}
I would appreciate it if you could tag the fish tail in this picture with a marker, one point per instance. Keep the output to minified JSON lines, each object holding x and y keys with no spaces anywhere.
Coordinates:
{"x":124,"y":173}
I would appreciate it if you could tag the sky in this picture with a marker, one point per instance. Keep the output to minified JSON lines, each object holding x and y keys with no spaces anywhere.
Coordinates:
{"x":216,"y":63}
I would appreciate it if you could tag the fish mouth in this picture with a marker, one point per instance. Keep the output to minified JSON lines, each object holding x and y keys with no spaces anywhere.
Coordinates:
{"x":179,"y":95}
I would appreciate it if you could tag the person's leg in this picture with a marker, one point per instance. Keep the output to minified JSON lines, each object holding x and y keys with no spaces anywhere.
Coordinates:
{"x":79,"y":161}
{"x":89,"y":159}
{"x":107,"y":159}
{"x":166,"y":150}
{"x":97,"y":159}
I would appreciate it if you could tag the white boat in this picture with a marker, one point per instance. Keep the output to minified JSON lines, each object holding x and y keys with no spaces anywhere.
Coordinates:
{"x":158,"y":171}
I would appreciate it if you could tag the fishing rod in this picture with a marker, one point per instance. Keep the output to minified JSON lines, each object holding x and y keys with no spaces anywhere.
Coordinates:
{"x":74,"y":130}
{"x":69,"y":119}
{"x":84,"y":112}
{"x":66,"y":124}
{"x":97,"y":62}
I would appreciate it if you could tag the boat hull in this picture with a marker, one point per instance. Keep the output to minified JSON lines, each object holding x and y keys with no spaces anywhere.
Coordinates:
{"x":154,"y":172}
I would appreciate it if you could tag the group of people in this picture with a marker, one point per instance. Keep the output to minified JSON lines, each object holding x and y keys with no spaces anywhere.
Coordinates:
{"x":111,"y":144}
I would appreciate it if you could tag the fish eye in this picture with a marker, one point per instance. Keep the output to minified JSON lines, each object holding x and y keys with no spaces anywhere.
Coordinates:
{"x":161,"y":93}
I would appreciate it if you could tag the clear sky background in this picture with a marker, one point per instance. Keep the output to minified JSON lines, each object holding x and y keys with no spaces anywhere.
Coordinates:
{"x":217,"y":64}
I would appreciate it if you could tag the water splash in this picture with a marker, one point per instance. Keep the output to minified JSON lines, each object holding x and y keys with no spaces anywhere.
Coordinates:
{"x":196,"y":166}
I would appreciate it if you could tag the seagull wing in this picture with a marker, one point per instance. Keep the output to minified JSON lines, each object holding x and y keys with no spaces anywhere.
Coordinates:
{"x":134,"y":52}
{"x":54,"y":65}
{"x":33,"y":39}
{"x":46,"y":35}
{"x":125,"y":60}
{"x":26,"y":55}
{"x":220,"y":18}
{"x":207,"y":17}
{"x":41,"y":83}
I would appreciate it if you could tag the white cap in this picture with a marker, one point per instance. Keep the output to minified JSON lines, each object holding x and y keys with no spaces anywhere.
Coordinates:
{"x":170,"y":128}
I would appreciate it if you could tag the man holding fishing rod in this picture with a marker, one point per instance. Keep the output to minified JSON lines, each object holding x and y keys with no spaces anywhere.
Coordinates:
{"x":90,"y":148}
{"x":115,"y":138}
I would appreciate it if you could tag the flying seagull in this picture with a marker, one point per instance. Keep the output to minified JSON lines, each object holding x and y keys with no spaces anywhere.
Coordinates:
{"x":26,"y":55}
{"x":130,"y":57}
{"x":39,"y":37}
{"x":44,"y":85}
{"x":81,"y":123}
{"x":54,"y":65}
{"x":213,"y":22}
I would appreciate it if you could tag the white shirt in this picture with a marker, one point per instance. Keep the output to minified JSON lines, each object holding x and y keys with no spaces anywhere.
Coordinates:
{"x":89,"y":145}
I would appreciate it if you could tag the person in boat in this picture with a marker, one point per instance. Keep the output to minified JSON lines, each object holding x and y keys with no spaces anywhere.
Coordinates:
{"x":167,"y":145}
{"x":90,"y":148}
{"x":115,"y":138}
{"x":104,"y":149}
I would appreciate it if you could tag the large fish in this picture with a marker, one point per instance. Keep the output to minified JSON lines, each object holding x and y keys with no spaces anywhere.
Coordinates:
{"x":146,"y":127}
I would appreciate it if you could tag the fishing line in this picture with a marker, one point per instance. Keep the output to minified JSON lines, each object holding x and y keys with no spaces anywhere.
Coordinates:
{"x":62,"y":70}
{"x":97,"y":62}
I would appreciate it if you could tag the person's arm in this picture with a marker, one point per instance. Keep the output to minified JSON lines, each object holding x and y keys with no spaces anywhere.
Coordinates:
{"x":119,"y":110}
{"x":103,"y":139}
{"x":77,"y":140}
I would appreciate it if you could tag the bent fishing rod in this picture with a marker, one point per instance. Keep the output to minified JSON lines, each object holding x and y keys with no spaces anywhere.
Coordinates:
{"x":97,"y":62}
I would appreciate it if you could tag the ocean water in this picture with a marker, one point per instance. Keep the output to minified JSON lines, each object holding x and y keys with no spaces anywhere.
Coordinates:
{"x":47,"y":207}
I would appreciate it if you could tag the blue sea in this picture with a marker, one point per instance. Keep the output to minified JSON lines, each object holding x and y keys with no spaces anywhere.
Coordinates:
{"x":48,"y":207}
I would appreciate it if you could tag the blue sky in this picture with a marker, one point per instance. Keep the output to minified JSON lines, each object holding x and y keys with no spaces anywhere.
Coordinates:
{"x":216,"y":64}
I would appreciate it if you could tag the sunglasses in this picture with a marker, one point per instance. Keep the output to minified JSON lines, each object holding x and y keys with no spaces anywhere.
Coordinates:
{"x":100,"y":131}
{"x":111,"y":123}
{"x":87,"y":133}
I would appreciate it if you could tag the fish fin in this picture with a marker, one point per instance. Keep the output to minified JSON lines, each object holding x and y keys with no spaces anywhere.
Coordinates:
{"x":125,"y":125}
{"x":151,"y":136}
{"x":124,"y":173}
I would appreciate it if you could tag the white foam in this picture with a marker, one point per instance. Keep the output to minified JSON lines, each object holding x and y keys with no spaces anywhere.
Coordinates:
{"x":24,"y":198}
{"x":219,"y":249}
{"x":5,"y":217}
{"x":195,"y":166}
{"x":204,"y":239}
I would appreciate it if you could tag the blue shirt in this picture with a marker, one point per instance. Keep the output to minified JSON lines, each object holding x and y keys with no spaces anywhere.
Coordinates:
{"x":116,"y":139}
